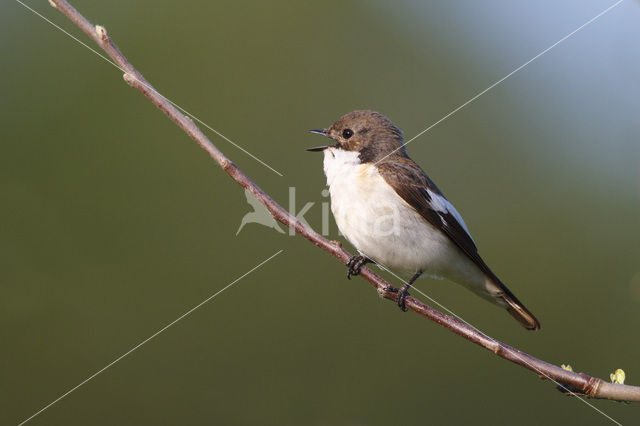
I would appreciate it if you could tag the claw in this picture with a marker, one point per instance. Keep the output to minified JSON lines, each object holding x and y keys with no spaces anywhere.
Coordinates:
{"x":403,"y":292}
{"x":355,"y":264}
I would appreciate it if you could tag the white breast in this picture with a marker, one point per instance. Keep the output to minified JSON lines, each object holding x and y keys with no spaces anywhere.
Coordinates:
{"x":383,"y":227}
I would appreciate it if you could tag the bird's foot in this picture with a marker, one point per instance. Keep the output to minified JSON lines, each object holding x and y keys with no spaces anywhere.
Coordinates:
{"x":403,"y":292}
{"x":355,"y":264}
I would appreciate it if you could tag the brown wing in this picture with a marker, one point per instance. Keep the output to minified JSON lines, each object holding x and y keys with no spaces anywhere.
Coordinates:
{"x":412,"y":184}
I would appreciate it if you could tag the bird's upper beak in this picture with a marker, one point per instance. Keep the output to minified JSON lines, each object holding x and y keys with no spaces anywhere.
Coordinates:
{"x":322,"y":132}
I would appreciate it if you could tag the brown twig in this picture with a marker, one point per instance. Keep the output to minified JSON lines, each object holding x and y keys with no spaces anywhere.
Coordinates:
{"x":576,"y":383}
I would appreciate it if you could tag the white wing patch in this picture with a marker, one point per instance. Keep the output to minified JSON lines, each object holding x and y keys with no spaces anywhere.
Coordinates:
{"x":441,"y":204}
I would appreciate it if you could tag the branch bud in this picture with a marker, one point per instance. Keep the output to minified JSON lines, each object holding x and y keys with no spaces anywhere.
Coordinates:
{"x":128,"y":78}
{"x":102,"y":32}
{"x":618,"y":376}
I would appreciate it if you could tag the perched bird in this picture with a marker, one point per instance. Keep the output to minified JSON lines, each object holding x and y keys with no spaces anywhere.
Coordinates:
{"x":394,"y":215}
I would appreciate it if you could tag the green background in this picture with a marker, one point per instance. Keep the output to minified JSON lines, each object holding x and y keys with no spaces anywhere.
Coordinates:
{"x":114,"y":223}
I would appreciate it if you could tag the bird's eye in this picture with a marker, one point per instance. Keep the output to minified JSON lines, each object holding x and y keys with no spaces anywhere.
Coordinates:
{"x":347,"y":133}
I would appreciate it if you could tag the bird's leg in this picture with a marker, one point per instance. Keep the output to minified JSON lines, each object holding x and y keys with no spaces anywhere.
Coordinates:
{"x":355,"y":264}
{"x":403,"y":292}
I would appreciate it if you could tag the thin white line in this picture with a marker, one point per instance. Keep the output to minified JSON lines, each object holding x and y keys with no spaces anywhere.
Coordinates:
{"x":504,"y":78}
{"x":148,"y":339}
{"x":149,"y":87}
{"x":523,"y":360}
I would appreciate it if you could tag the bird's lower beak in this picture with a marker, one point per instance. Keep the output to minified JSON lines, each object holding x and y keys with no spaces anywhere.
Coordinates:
{"x":322,"y":132}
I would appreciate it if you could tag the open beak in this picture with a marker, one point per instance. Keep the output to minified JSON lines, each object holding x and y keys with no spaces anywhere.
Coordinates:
{"x":322,"y":132}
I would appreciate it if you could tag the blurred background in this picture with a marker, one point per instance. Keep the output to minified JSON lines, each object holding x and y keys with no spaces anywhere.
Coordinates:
{"x":114,"y":223}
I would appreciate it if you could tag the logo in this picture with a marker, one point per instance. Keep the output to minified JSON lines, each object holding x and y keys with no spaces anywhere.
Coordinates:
{"x":387,"y":218}
{"x":259,"y":215}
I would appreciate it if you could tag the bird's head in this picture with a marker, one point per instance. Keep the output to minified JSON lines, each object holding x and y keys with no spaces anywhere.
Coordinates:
{"x":370,"y":133}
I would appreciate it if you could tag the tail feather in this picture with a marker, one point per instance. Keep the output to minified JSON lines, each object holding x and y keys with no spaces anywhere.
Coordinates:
{"x":514,"y":306}
{"x":501,"y":295}
{"x":522,"y":314}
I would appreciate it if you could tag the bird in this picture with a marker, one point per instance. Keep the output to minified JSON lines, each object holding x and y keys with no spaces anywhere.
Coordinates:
{"x":395,"y":216}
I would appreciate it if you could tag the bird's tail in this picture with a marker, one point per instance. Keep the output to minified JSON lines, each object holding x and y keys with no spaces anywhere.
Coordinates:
{"x":499,"y":294}
{"x":522,"y":314}
{"x":515,"y":307}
